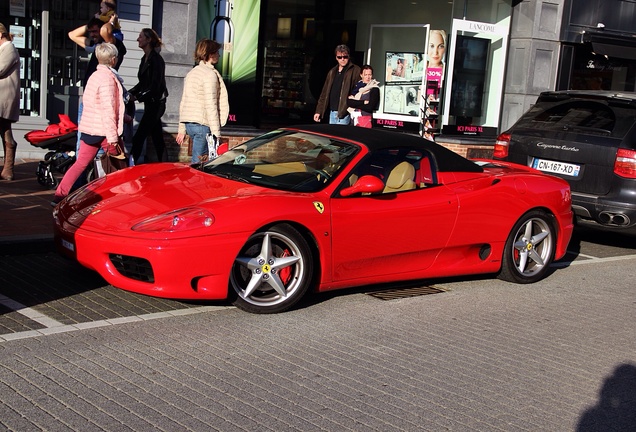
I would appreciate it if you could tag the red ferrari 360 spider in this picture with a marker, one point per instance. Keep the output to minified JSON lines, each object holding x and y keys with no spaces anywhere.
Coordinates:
{"x":319,"y":208}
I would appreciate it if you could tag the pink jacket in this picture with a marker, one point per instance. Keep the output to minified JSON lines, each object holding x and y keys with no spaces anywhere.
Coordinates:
{"x":103,"y":112}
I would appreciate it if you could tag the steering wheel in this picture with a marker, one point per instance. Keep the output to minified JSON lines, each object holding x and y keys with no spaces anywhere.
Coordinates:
{"x":323,"y":176}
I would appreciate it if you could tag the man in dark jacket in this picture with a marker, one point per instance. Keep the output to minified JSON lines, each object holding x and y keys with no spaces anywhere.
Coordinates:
{"x":340,"y":81}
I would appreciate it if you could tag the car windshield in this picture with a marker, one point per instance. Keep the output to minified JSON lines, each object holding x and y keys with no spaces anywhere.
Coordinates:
{"x":293,"y":161}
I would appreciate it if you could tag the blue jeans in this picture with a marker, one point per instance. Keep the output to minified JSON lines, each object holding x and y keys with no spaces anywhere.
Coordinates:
{"x":80,"y":108}
{"x":333,"y":118}
{"x":198,"y":134}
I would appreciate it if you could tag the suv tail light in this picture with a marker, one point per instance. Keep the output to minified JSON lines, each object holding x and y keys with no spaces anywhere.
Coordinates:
{"x":625,"y":164}
{"x":501,"y":146}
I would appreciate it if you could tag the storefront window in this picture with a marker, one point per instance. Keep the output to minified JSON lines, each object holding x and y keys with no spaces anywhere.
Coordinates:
{"x":67,"y":61}
{"x":294,"y":50}
{"x":598,"y":71}
{"x":24,"y":22}
{"x":284,"y":93}
{"x":287,"y":55}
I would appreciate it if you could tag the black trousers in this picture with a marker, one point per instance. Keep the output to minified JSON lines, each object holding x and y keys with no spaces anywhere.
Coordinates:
{"x":150,"y":126}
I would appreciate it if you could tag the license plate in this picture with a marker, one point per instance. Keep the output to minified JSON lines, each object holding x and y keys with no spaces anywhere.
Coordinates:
{"x":562,"y":168}
{"x":68,"y":245}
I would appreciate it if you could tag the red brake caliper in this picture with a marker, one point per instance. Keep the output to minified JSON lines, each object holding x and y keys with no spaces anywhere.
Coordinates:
{"x":285,"y":273}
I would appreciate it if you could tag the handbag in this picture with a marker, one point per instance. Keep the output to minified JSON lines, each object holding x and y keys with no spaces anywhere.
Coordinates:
{"x":111,"y":163}
{"x":116,"y":151}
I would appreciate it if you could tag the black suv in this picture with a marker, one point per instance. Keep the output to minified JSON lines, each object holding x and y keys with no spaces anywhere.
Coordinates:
{"x":589,"y":139}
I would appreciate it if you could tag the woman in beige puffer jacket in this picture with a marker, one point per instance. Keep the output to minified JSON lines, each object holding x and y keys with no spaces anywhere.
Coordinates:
{"x":204,"y":107}
{"x":10,"y":100}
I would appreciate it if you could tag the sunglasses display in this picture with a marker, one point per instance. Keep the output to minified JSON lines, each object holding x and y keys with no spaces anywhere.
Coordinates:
{"x":342,"y":57}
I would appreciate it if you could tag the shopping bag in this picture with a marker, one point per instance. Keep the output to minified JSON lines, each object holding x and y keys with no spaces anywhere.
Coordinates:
{"x":213,"y":146}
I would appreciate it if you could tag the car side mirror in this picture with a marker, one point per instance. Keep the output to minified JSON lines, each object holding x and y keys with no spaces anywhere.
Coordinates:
{"x":367,"y":184}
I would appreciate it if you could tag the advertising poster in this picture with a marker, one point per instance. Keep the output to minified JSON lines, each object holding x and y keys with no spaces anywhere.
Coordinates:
{"x":19,"y":35}
{"x":403,"y":83}
{"x":222,"y":20}
{"x":434,"y":77}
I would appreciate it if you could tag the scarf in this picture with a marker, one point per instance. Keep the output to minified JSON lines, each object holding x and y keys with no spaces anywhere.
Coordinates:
{"x":366,"y":89}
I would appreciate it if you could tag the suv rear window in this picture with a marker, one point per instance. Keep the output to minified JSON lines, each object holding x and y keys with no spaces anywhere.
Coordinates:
{"x":580,"y":116}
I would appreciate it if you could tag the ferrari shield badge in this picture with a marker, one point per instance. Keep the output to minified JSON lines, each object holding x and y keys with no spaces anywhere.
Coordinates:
{"x":319,"y":206}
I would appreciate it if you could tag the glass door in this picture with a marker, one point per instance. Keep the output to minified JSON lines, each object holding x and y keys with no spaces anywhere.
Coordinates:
{"x":67,"y":61}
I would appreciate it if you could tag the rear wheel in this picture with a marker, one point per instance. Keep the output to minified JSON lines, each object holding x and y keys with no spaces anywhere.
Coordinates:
{"x":273,"y":271}
{"x":529,"y":249}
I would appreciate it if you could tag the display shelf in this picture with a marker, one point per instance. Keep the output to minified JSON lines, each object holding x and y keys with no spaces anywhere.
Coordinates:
{"x":430,"y":110}
{"x":285,"y":72}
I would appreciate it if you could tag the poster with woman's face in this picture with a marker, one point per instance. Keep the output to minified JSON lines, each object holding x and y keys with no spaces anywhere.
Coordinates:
{"x":436,"y":51}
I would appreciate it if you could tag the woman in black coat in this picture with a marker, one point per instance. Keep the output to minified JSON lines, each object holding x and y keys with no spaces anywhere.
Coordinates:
{"x":152,"y":91}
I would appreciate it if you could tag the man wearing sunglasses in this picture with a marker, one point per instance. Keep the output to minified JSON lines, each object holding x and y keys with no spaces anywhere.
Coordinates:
{"x":338,"y":85}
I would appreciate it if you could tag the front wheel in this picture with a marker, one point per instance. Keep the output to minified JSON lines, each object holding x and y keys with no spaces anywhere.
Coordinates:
{"x":529,"y":249}
{"x":273,"y":271}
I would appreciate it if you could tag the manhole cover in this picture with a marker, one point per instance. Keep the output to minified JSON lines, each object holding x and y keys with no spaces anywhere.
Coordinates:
{"x":394,"y":294}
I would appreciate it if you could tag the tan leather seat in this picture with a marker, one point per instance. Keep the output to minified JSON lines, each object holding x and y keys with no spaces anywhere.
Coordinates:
{"x":400,"y":178}
{"x":353,"y":178}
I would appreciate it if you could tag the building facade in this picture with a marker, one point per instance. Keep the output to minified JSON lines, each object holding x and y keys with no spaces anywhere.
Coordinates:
{"x":495,"y":57}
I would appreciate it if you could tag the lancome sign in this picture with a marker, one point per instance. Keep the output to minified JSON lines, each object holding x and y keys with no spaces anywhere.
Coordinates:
{"x":480,"y":27}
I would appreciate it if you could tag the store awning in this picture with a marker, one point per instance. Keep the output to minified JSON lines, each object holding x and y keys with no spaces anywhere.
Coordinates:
{"x":611,"y":44}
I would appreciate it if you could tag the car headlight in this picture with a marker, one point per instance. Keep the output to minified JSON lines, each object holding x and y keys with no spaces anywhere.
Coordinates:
{"x":184,"y":219}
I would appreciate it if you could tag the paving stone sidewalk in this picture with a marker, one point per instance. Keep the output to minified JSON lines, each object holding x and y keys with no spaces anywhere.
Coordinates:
{"x":25,"y":208}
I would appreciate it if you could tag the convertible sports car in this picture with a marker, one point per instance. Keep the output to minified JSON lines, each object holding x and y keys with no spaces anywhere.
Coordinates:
{"x":318,"y":207}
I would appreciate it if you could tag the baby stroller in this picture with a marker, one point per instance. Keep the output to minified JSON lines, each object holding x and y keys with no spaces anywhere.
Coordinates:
{"x":61,"y":140}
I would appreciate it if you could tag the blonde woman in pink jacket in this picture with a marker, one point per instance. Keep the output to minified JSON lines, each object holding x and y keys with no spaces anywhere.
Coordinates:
{"x":102,"y":119}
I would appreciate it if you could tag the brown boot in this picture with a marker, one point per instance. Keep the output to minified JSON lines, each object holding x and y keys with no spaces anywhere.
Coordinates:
{"x":9,"y":156}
